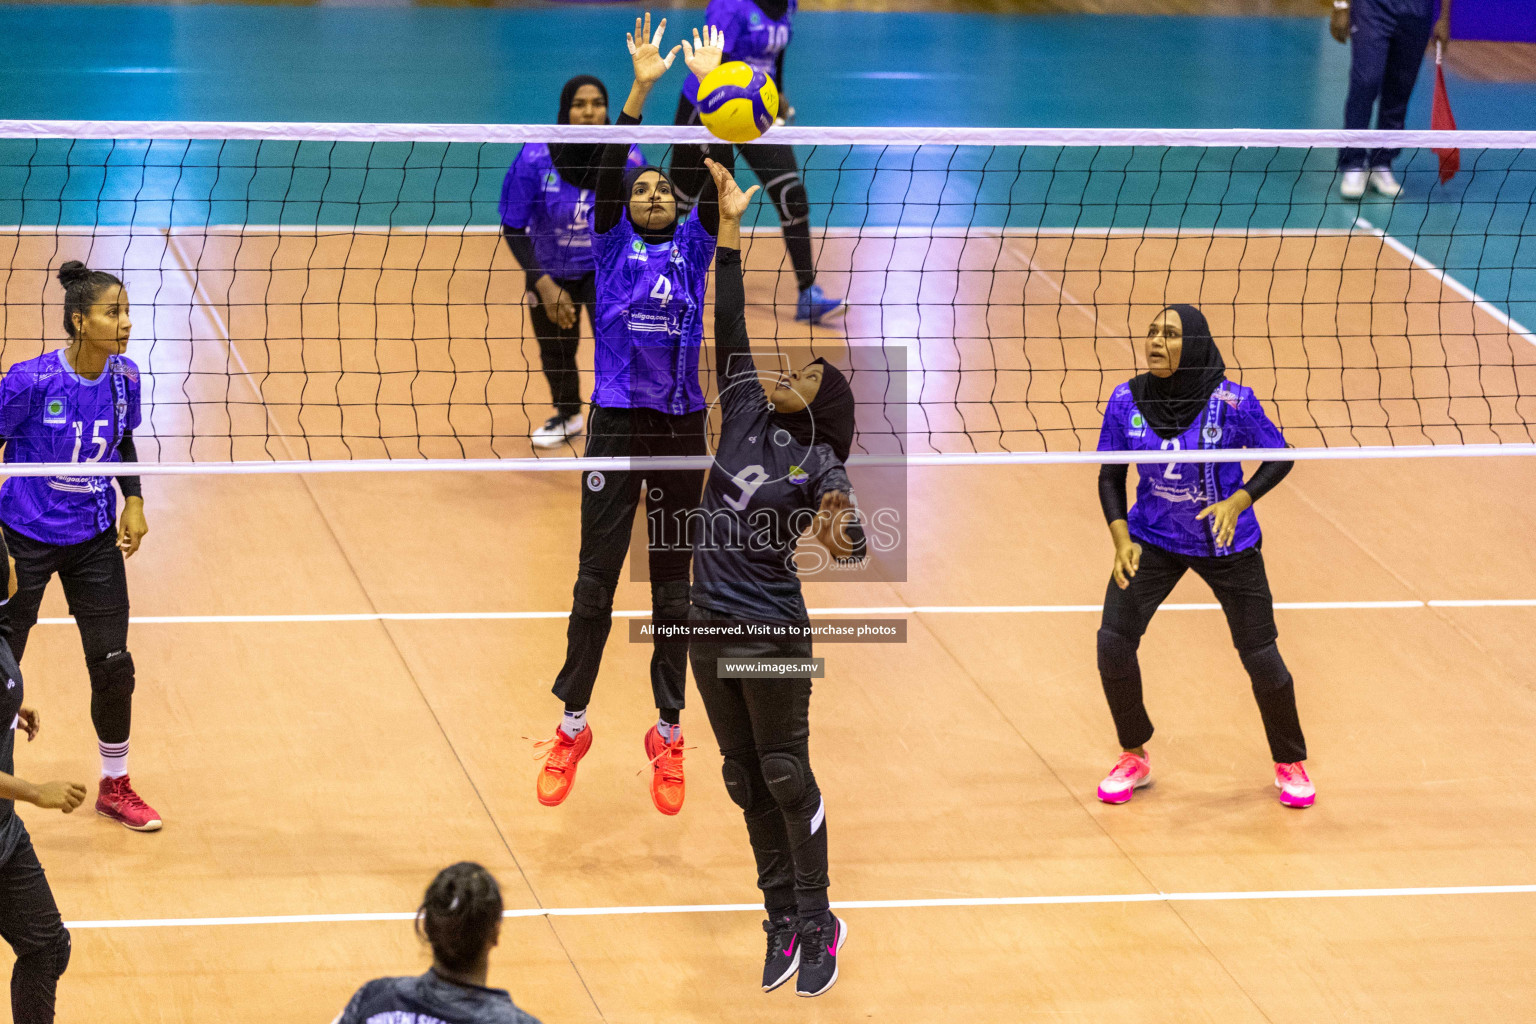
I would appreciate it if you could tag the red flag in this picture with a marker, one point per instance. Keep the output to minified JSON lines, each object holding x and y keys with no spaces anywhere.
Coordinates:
{"x":1442,"y":120}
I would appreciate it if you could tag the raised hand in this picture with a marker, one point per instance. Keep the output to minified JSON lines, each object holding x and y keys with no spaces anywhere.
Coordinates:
{"x":705,"y":54}
{"x":645,"y":51}
{"x":733,"y":201}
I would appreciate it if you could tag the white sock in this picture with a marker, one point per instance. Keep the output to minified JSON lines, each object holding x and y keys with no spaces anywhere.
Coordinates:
{"x":669,"y":732}
{"x":573,"y":723}
{"x":114,"y":759}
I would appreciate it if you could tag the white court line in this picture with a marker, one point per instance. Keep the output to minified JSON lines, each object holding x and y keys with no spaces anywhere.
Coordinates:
{"x":740,"y":908}
{"x":1514,"y":326}
{"x":921,"y":609}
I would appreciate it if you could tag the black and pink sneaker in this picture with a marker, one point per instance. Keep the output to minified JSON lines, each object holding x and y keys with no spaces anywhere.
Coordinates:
{"x":783,"y":958}
{"x":821,"y":943}
{"x":116,"y":799}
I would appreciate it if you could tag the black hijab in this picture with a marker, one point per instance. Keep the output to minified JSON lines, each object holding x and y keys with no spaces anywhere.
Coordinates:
{"x":828,"y":419}
{"x":775,"y":9}
{"x":576,"y":162}
{"x":652,"y":236}
{"x":1171,"y":404}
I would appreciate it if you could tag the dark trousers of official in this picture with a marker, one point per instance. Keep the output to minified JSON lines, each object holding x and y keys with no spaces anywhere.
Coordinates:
{"x":608,"y":503}
{"x":30,"y":923}
{"x":557,"y":345}
{"x":763,"y":727}
{"x":96,"y":589}
{"x":1386,"y":49}
{"x":1242,"y":587}
{"x":774,"y":166}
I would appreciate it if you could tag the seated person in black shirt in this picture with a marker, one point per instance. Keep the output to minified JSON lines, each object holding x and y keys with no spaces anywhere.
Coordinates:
{"x":460,"y":917}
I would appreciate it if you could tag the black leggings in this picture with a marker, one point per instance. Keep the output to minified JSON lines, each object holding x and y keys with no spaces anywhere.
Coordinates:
{"x":774,"y":166}
{"x":1242,"y":587}
{"x":557,"y":345}
{"x":763,"y":727}
{"x":96,"y":588}
{"x":608,"y":503}
{"x":30,"y":923}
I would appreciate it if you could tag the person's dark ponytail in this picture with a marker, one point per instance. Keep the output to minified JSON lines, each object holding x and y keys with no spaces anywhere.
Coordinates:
{"x":459,"y":914}
{"x":81,"y":287}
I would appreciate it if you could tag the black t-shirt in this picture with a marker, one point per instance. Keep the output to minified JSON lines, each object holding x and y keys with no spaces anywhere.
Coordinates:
{"x":428,"y":999}
{"x":10,"y":704}
{"x":764,"y":488}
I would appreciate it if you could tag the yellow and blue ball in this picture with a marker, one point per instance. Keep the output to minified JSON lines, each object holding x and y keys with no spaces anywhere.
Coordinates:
{"x":737,"y":102}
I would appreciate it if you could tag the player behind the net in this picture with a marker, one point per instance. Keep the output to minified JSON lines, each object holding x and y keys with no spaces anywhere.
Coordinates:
{"x":778,"y":473}
{"x":1190,"y":515}
{"x":652,"y":269}
{"x":80,"y":404}
{"x":757,"y":32}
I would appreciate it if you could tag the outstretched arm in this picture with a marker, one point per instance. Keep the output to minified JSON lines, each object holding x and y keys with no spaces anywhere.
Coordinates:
{"x":731,"y":342}
{"x":650,"y":65}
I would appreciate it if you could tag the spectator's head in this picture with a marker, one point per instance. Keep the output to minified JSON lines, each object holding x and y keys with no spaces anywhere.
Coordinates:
{"x":460,"y":917}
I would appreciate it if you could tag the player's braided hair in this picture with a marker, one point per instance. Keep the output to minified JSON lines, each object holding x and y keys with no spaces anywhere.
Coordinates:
{"x":459,"y":914}
{"x":81,"y":287}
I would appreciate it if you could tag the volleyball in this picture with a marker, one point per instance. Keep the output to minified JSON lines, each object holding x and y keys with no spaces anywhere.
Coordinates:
{"x":737,"y":102}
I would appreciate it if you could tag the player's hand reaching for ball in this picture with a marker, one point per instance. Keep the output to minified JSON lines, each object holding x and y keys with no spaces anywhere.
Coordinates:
{"x":706,"y":52}
{"x":645,"y":51}
{"x":733,"y":201}
{"x":1224,"y":516}
{"x":131,"y":526}
{"x":60,"y":796}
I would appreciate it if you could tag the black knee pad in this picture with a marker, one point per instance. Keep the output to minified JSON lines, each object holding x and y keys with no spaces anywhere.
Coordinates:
{"x":1117,"y":653}
{"x":786,"y":777}
{"x":51,"y":959}
{"x":1266,"y":668}
{"x":669,"y":601}
{"x":787,"y":192}
{"x":63,"y":946}
{"x":113,"y":675}
{"x":738,"y":782}
{"x":592,"y":600}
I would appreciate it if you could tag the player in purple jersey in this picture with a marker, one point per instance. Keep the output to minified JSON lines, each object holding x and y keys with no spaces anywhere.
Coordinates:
{"x":546,"y":209}
{"x":29,"y":917}
{"x":651,"y":275}
{"x":80,"y":404}
{"x":1190,"y":515}
{"x":758,"y":32}
{"x":778,"y":473}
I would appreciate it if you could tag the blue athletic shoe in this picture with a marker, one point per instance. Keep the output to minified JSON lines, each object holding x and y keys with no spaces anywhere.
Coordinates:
{"x":815,"y":306}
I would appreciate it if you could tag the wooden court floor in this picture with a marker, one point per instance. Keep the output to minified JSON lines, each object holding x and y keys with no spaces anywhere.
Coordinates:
{"x":312,"y":764}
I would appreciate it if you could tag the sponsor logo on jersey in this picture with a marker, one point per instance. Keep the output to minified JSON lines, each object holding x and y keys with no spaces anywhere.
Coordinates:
{"x":10,"y":684}
{"x":1227,"y":396}
{"x":637,"y":250}
{"x":798,"y":475}
{"x":122,"y":409}
{"x":53,"y":412}
{"x":754,"y":19}
{"x":1138,"y":425}
{"x":1210,"y":433}
{"x":552,"y":181}
{"x":595,"y":481}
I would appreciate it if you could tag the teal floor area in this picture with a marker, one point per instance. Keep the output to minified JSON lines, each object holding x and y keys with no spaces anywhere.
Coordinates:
{"x":478,"y":65}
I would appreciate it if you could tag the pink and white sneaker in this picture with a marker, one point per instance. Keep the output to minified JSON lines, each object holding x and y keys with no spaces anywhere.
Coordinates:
{"x":116,"y":799}
{"x":1128,"y":775}
{"x":1296,"y":789}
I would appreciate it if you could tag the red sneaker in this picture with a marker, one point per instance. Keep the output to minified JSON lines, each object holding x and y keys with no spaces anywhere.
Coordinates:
{"x":560,"y":759}
{"x":116,"y":800}
{"x":1296,"y":789}
{"x":666,"y":771}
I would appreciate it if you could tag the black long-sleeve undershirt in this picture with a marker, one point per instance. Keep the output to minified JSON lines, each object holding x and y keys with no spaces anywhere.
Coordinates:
{"x":128,"y":452}
{"x":732,"y":345}
{"x":611,"y":200}
{"x":1112,"y":478}
{"x":521,"y":245}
